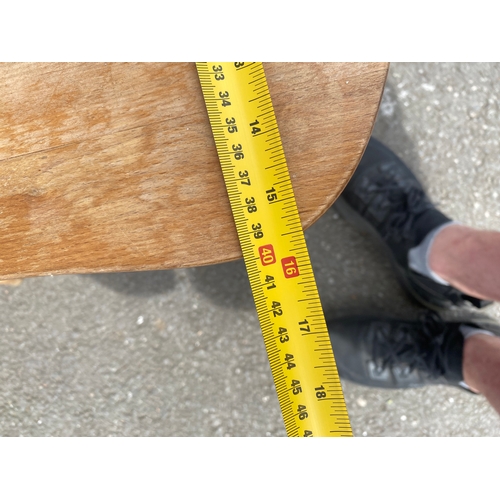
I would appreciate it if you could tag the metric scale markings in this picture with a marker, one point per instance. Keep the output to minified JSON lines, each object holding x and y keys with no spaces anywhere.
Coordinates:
{"x":274,"y":248}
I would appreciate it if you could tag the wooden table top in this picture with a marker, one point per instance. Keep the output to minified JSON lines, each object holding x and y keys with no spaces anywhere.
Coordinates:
{"x":112,"y":167}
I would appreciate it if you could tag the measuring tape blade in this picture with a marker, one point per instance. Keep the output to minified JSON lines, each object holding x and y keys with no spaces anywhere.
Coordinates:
{"x":260,"y":191}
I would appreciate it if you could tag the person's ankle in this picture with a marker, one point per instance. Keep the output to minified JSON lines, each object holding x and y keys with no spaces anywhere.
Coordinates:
{"x":473,"y":346}
{"x":453,"y":240}
{"x":418,"y":256}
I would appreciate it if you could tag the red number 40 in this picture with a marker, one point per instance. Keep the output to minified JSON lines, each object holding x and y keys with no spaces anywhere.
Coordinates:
{"x":267,"y":256}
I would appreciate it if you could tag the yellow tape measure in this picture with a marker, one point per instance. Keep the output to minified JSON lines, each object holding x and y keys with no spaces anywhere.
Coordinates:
{"x":272,"y":240}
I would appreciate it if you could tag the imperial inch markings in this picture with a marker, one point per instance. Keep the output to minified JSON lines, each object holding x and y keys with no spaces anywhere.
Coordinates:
{"x":274,"y":248}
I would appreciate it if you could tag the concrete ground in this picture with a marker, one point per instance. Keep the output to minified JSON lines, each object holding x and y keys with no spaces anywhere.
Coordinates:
{"x":180,"y":353}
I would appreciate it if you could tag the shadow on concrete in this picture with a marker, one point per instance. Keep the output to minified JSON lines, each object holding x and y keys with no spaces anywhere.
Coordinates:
{"x":353,"y":273}
{"x":225,"y":284}
{"x":140,"y":284}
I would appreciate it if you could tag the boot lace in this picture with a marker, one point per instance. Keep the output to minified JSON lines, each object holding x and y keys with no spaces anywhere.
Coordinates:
{"x":418,"y":347}
{"x":402,"y":203}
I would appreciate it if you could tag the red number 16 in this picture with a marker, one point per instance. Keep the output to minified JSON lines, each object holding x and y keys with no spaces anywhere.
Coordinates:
{"x":290,"y":267}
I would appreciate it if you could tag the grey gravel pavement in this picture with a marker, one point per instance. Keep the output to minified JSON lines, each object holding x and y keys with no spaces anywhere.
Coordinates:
{"x":180,"y":353}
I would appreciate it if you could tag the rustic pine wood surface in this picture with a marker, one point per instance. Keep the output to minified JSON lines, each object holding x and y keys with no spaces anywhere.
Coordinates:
{"x":112,"y":167}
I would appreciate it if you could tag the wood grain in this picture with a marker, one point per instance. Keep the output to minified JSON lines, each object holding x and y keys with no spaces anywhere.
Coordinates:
{"x":112,"y":167}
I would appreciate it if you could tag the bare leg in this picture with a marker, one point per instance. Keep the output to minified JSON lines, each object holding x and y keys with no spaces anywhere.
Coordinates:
{"x":469,"y":259}
{"x":481,"y":367}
